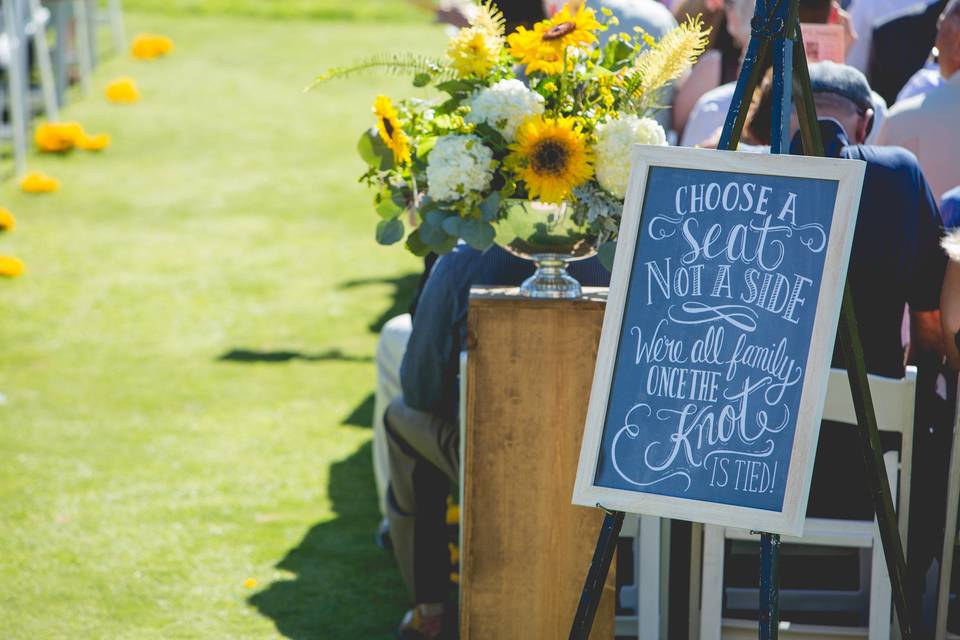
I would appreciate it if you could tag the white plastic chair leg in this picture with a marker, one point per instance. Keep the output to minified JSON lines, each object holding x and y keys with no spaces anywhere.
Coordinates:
{"x":116,"y":26}
{"x":41,"y":49}
{"x":17,"y":84}
{"x":711,"y":604}
{"x":648,"y":580}
{"x":880,"y":590}
{"x":82,"y":41}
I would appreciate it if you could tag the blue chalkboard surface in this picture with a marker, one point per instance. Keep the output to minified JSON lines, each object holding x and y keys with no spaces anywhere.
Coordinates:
{"x":707,"y":375}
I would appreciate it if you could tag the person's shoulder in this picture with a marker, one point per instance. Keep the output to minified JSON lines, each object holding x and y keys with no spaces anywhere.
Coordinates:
{"x":890,"y":157}
{"x":454,"y":266}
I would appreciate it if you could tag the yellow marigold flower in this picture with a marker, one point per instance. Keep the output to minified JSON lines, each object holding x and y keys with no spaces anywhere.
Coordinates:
{"x":55,"y":137}
{"x":147,"y":46}
{"x":391,"y":133}
{"x":11,"y":267}
{"x":97,"y":142}
{"x":473,"y":52}
{"x":36,"y":182}
{"x":7,"y":221}
{"x":552,"y":157}
{"x":250,"y":583}
{"x":122,"y":91}
{"x":542,"y":48}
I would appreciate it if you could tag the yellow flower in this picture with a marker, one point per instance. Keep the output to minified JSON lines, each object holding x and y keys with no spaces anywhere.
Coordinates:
{"x":11,"y":267}
{"x":147,"y":46}
{"x":7,"y":221}
{"x":543,"y":48}
{"x":56,"y":137}
{"x":666,"y":60}
{"x":250,"y":583}
{"x":552,"y":157}
{"x":97,"y":142}
{"x":36,"y":182}
{"x":472,"y":52}
{"x":389,"y":128}
{"x":476,"y":49}
{"x":122,"y":91}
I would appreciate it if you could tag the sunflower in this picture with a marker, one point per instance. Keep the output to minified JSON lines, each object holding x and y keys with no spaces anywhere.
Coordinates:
{"x":552,"y":157}
{"x":542,"y":48}
{"x":389,"y":128}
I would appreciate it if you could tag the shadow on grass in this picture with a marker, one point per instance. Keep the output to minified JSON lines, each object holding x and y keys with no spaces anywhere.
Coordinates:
{"x":362,"y":414}
{"x":343,"y":585}
{"x":252,"y":355}
{"x":404,"y":288}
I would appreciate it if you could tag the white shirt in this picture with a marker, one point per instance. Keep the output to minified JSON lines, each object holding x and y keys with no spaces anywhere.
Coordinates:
{"x":922,"y":82}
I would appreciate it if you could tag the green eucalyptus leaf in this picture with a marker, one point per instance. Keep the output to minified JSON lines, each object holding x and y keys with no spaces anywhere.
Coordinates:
{"x":421,"y":79}
{"x":389,"y":231}
{"x":490,"y":207}
{"x":490,"y":134}
{"x":431,"y":231}
{"x":477,"y":233}
{"x":455,"y":87}
{"x":372,"y":150}
{"x":386,"y":207}
{"x":605,"y":254}
{"x":425,"y":145}
{"x":416,"y":245}
{"x":452,"y":225}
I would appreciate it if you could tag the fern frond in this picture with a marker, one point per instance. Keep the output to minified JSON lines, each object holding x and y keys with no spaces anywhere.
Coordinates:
{"x":389,"y":63}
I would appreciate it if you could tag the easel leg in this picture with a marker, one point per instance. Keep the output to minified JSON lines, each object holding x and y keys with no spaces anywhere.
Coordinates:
{"x":769,"y":586}
{"x":597,"y":575}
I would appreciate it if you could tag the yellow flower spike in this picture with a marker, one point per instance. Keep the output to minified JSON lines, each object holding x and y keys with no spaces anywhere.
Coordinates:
{"x":11,"y":267}
{"x":122,"y":91}
{"x":37,"y":182}
{"x":7,"y":221}
{"x":249,"y":583}
{"x":551,"y":157}
{"x":97,"y":142}
{"x":389,"y":128}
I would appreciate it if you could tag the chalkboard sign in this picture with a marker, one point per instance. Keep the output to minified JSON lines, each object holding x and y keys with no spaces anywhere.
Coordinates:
{"x":718,"y":335}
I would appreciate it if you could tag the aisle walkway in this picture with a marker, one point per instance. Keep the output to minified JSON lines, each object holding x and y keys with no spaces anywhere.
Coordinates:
{"x":187,"y":362}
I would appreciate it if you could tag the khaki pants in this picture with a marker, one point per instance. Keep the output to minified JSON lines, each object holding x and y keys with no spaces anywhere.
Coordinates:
{"x":390,"y":348}
{"x":424,"y":458}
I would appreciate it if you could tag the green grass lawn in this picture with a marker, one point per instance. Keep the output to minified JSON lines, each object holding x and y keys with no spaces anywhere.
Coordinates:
{"x":187,"y":364}
{"x":318,"y":9}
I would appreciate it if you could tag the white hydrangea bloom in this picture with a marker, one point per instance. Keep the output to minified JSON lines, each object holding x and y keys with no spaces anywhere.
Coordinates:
{"x":504,"y":106}
{"x":612,"y":153}
{"x":456,"y":165}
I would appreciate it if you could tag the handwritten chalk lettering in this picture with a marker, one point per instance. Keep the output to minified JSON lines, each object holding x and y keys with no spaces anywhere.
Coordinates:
{"x":712,"y":353}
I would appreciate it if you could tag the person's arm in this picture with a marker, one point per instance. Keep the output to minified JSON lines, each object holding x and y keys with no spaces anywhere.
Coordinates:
{"x":928,"y":275}
{"x":950,"y":312}
{"x":704,"y":76}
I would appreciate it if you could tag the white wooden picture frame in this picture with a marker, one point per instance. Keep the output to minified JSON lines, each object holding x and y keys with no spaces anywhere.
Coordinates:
{"x":789,"y":519}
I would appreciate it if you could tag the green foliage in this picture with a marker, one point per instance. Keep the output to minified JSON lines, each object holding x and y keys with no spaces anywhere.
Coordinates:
{"x":389,"y":231}
{"x":606,"y":253}
{"x":412,"y":64}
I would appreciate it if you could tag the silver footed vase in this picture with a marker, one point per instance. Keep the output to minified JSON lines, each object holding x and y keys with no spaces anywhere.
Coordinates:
{"x":547,"y":235}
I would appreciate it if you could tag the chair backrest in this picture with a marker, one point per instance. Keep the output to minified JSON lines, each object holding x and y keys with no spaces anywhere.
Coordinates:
{"x":893,"y":400}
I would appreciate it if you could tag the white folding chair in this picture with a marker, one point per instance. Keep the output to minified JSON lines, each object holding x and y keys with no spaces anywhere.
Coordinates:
{"x":647,"y":595}
{"x":894,"y":404}
{"x":950,"y":530}
{"x":14,"y":59}
{"x":114,"y":17}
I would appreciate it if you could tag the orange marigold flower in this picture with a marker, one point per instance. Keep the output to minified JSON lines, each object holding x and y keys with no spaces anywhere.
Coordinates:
{"x":7,"y":221}
{"x":147,"y":46}
{"x":54,"y":137}
{"x":122,"y":91}
{"x":97,"y":142}
{"x":36,"y":182}
{"x":11,"y":267}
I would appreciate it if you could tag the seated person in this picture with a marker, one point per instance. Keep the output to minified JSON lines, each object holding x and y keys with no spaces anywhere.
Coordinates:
{"x":423,"y":434}
{"x":895,"y":260}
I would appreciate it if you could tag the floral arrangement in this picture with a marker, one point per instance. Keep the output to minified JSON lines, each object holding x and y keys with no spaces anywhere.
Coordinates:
{"x":542,"y":114}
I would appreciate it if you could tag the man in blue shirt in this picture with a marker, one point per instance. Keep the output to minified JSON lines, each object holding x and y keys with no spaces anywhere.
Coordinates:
{"x":896,"y":260}
{"x":423,"y":434}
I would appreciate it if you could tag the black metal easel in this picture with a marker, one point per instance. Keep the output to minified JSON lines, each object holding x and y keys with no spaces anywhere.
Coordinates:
{"x":776,"y":32}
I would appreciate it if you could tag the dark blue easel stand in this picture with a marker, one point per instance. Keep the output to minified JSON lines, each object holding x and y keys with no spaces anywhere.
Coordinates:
{"x":776,"y":32}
